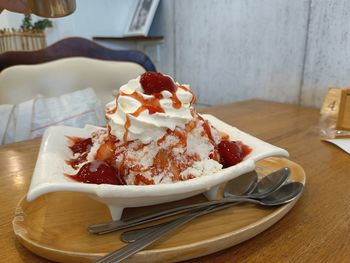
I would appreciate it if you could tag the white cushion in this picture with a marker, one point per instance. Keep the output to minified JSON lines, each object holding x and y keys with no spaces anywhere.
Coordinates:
{"x":23,"y":82}
{"x":29,"y":119}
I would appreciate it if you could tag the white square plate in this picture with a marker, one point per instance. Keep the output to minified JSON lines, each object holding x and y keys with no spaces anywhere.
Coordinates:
{"x":50,"y":167}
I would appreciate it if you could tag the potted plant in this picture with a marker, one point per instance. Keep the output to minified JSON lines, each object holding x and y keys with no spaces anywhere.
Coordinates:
{"x":38,"y":26}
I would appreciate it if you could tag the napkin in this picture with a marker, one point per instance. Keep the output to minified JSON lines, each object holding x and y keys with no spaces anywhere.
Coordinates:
{"x":344,"y":144}
{"x":29,"y":119}
{"x":5,"y":113}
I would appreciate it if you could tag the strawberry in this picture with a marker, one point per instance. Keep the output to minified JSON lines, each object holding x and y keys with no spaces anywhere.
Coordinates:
{"x":155,"y":82}
{"x":230,"y":153}
{"x":98,"y":172}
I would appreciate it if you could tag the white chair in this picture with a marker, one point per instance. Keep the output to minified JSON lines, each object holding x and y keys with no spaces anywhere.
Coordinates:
{"x":70,"y":65}
{"x":21,"y":83}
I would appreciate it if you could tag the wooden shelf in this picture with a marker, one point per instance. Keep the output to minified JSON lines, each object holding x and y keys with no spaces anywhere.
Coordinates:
{"x":129,"y":39}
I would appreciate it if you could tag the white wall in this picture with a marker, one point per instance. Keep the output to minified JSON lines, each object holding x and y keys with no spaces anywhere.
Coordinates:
{"x":281,"y":50}
{"x":10,"y":19}
{"x":236,"y":50}
{"x":94,"y":18}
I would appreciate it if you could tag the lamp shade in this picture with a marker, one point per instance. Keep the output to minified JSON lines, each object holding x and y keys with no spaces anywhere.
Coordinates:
{"x":52,"y":8}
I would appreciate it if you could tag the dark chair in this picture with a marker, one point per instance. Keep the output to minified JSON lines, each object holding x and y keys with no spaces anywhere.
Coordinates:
{"x":74,"y":47}
{"x":68,"y":65}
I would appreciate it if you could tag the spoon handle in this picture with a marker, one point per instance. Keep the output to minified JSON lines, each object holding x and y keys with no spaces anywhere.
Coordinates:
{"x":105,"y":228}
{"x":134,"y":235}
{"x":120,"y":224}
{"x":152,"y":236}
{"x":286,"y":194}
{"x":156,"y":233}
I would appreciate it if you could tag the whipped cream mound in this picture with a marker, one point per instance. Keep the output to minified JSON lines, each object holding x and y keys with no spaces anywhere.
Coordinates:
{"x":129,"y":116}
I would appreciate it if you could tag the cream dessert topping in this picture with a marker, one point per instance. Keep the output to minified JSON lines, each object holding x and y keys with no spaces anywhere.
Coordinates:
{"x":154,"y":136}
{"x":135,"y":115}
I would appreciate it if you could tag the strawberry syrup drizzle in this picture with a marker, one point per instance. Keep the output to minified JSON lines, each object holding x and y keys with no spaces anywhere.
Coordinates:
{"x":140,"y":179}
{"x":114,"y":110}
{"x":176,"y":102}
{"x":207,"y":129}
{"x":126,"y":127}
{"x":193,"y":101}
{"x":79,"y":146}
{"x":152,"y":105}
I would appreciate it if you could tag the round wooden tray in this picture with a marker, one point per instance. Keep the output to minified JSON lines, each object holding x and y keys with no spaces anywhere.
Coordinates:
{"x":54,"y":226}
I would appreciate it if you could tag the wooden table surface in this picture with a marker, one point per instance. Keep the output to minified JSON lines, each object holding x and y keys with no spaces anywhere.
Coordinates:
{"x":317,"y":229}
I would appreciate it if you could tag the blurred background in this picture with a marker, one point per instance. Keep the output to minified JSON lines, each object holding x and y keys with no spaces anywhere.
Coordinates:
{"x":279,"y":50}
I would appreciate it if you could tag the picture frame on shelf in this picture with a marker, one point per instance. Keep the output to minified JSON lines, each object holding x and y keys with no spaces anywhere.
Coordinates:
{"x":142,"y":18}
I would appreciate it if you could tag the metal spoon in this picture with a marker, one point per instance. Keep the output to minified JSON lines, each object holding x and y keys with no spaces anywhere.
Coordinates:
{"x":243,"y":184}
{"x":246,"y":185}
{"x":281,"y":196}
{"x":236,"y":187}
{"x":266,"y":185}
{"x":286,"y":193}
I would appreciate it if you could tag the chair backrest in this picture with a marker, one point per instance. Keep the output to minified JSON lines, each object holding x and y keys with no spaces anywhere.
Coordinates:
{"x":74,"y":47}
{"x":70,"y":64}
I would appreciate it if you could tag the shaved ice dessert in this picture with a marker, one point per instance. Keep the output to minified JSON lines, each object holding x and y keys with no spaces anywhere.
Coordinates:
{"x":153,"y":136}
